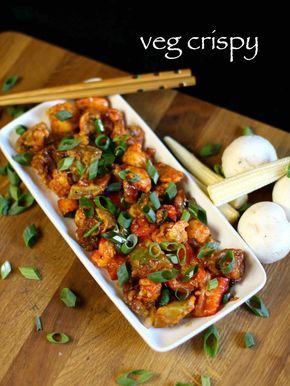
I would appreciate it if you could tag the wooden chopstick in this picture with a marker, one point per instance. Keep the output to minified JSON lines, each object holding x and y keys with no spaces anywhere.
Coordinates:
{"x":120,"y":85}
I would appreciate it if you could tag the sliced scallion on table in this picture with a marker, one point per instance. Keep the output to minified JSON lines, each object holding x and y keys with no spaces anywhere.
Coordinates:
{"x":134,"y":377}
{"x":12,"y":176}
{"x":249,"y":340}
{"x":65,"y":163}
{"x":3,"y":170}
{"x":163,"y":276}
{"x":152,"y":171}
{"x":123,"y":274}
{"x":38,"y":323}
{"x":30,"y":235}
{"x":211,"y":341}
{"x":5,"y":269}
{"x":68,"y":297}
{"x":63,"y":115}
{"x":4,"y":206}
{"x":15,"y":192}
{"x":24,"y":202}
{"x":257,"y":306}
{"x":210,"y":149}
{"x":10,"y":82}
{"x":57,"y":337}
{"x":30,"y":273}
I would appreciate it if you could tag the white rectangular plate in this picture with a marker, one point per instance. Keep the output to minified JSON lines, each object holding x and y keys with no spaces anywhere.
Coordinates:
{"x":158,"y":339}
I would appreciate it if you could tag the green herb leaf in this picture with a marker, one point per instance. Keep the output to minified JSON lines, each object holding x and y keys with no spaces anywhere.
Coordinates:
{"x":163,"y":276}
{"x":65,"y":163}
{"x":23,"y":158}
{"x":20,"y":129}
{"x":68,"y":297}
{"x":80,"y":168}
{"x":247,"y":130}
{"x":257,"y":306}
{"x":149,"y":213}
{"x":197,"y":211}
{"x":63,"y":115}
{"x":4,"y":206}
{"x":185,"y":215}
{"x":249,"y":340}
{"x":171,"y":191}
{"x":3,"y":170}
{"x":190,"y":273}
{"x":165,"y":297}
{"x":210,"y":149}
{"x":30,"y":273}
{"x":10,"y":82}
{"x":152,"y":171}
{"x":38,"y":323}
{"x":12,"y":176}
{"x":134,"y":377}
{"x":22,"y":204}
{"x":30,"y":235}
{"x":15,"y":192}
{"x":57,"y":337}
{"x":103,"y":142}
{"x":93,"y":169}
{"x":93,"y":229}
{"x":205,"y":380}
{"x":5,"y":269}
{"x":207,"y":250}
{"x":68,"y":144}
{"x":123,"y":274}
{"x":288,"y":171}
{"x":212,"y":284}
{"x":99,"y":126}
{"x":211,"y":341}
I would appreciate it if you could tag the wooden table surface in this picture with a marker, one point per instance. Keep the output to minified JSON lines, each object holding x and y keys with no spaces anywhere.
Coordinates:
{"x":103,"y":343}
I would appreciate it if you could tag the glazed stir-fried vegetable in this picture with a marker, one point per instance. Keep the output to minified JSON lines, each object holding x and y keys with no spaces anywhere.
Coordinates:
{"x":131,"y":212}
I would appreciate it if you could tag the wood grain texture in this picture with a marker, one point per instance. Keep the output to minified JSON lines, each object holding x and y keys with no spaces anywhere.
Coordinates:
{"x":103,"y":343}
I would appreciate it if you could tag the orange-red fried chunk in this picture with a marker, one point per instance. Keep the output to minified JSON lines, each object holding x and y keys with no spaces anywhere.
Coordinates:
{"x":104,"y":254}
{"x":149,"y":291}
{"x":142,"y":227}
{"x":173,"y":312}
{"x":93,"y":103}
{"x":197,"y":232}
{"x":34,"y":139}
{"x":168,"y":173}
{"x":170,"y":231}
{"x":136,"y":134}
{"x":134,"y":156}
{"x":66,"y":206}
{"x":60,"y":183}
{"x":65,"y":127}
{"x":138,"y":178}
{"x":214,"y":265}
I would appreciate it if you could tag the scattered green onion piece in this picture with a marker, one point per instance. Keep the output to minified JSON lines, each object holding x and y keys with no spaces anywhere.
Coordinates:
{"x":3,"y":170}
{"x":120,"y":149}
{"x":165,"y":297}
{"x":80,"y":168}
{"x":129,"y":176}
{"x":181,"y":248}
{"x":4,"y":206}
{"x":169,"y":245}
{"x":115,"y":237}
{"x":211,"y":341}
{"x":164,"y":215}
{"x":218,"y":169}
{"x":152,"y":171}
{"x":15,"y":192}
{"x":5,"y":269}
{"x":180,"y":295}
{"x":105,"y":203}
{"x":114,"y":187}
{"x":57,"y":337}
{"x":197,"y":211}
{"x":86,"y":202}
{"x":205,"y":380}
{"x":22,"y":204}
{"x":12,"y":176}
{"x":93,"y":169}
{"x":16,"y":111}
{"x":120,"y":138}
{"x":173,"y":258}
{"x":257,"y":306}
{"x":288,"y":171}
{"x":68,"y":297}
{"x":227,"y":263}
{"x":38,"y":323}
{"x":23,"y":158}
{"x":125,"y":219}
{"x":212,"y":284}
{"x":207,"y":250}
{"x":171,"y":191}
{"x":68,"y":144}
{"x":10,"y":82}
{"x":227,"y":297}
{"x":103,"y":142}
{"x":65,"y":163}
{"x":20,"y":129}
{"x":130,"y":244}
{"x":154,"y":250}
{"x":92,"y":230}
{"x":210,"y":149}
{"x":134,"y":377}
{"x":123,"y":274}
{"x":249,"y":340}
{"x":99,"y":126}
{"x":185,"y":215}
{"x":163,"y":276}
{"x":30,"y":235}
{"x":190,"y":273}
{"x":63,"y":115}
{"x":247,"y":130}
{"x":149,"y":213}
{"x":30,"y":273}
{"x":155,"y":200}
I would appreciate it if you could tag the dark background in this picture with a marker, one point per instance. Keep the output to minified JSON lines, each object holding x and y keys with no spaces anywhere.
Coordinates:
{"x":110,"y":32}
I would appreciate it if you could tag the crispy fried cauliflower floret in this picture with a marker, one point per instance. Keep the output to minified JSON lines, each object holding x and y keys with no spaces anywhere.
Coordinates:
{"x":60,"y":183}
{"x":171,"y":231}
{"x":93,"y":104}
{"x":198,"y":233}
{"x":149,"y":291}
{"x":138,"y":178}
{"x":168,"y":173}
{"x":61,"y":127}
{"x":67,"y":206}
{"x":104,"y":254}
{"x":107,"y":219}
{"x":87,"y":126}
{"x":136,"y":134}
{"x":43,"y":162}
{"x":134,"y":156}
{"x":34,"y":139}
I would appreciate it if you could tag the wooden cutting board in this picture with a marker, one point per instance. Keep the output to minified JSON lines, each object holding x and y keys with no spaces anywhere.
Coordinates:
{"x":103,"y":343}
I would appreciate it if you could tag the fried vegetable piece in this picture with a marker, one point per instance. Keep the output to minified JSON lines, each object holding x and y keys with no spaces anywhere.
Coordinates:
{"x":198,"y":281}
{"x":100,"y":104}
{"x":136,"y":134}
{"x":171,"y":231}
{"x":212,"y":263}
{"x":87,"y":126}
{"x":143,"y":181}
{"x":149,"y":291}
{"x":173,"y":312}
{"x":104,"y":254}
{"x":180,"y":201}
{"x":114,"y":123}
{"x":88,"y":242}
{"x":108,"y":221}
{"x":144,"y":309}
{"x":209,"y":301}
{"x":142,"y":227}
{"x":60,"y":183}
{"x":130,"y":193}
{"x":198,"y":233}
{"x":65,"y":127}
{"x":169,"y":210}
{"x":135,"y":156}
{"x":114,"y":264}
{"x":43,"y":162}
{"x":168,"y":173}
{"x":90,"y":189}
{"x":34,"y":139}
{"x":67,"y":206}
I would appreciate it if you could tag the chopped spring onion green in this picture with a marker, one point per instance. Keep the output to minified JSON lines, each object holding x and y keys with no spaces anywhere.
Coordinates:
{"x":114,"y":187}
{"x":68,"y":144}
{"x":212,"y":284}
{"x":15,"y":192}
{"x":227,"y":262}
{"x":68,"y":297}
{"x":93,"y":230}
{"x":80,"y":167}
{"x":165,"y":297}
{"x":169,"y":246}
{"x":207,"y":249}
{"x":30,"y":273}
{"x":120,"y":138}
{"x":185,"y":215}
{"x":249,"y":340}
{"x":120,"y":149}
{"x":115,"y":237}
{"x":129,"y":176}
{"x":99,"y":126}
{"x":173,"y":258}
{"x":63,"y":115}
{"x":190,"y":273}
{"x":16,"y":111}
{"x":257,"y":306}
{"x":227,"y":297}
{"x":38,"y":323}
{"x":10,"y":82}
{"x":103,"y":142}
{"x":182,"y":384}
{"x":86,"y":202}
{"x":65,"y":163}
{"x":163,"y":276}
{"x":125,"y":219}
{"x":152,"y":171}
{"x":162,"y":216}
{"x":155,"y":200}
{"x":129,"y":244}
{"x":288,"y":171}
{"x":205,"y":380}
{"x":247,"y":130}
{"x":218,"y":169}
{"x":123,"y":274}
{"x":211,"y":341}
{"x":12,"y":176}
{"x":23,"y":158}
{"x":3,"y":170}
{"x":181,"y":294}
{"x":22,"y":204}
{"x":30,"y":235}
{"x":5,"y":269}
{"x":171,"y":191}
{"x":105,"y":203}
{"x":134,"y":377}
{"x":57,"y":337}
{"x":93,"y":169}
{"x":20,"y":129}
{"x":210,"y":149}
{"x":154,"y":250}
{"x":149,"y":213}
{"x":4,"y":206}
{"x":197,"y":211}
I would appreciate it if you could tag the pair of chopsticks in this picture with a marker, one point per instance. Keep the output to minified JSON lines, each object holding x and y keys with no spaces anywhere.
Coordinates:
{"x":120,"y":85}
